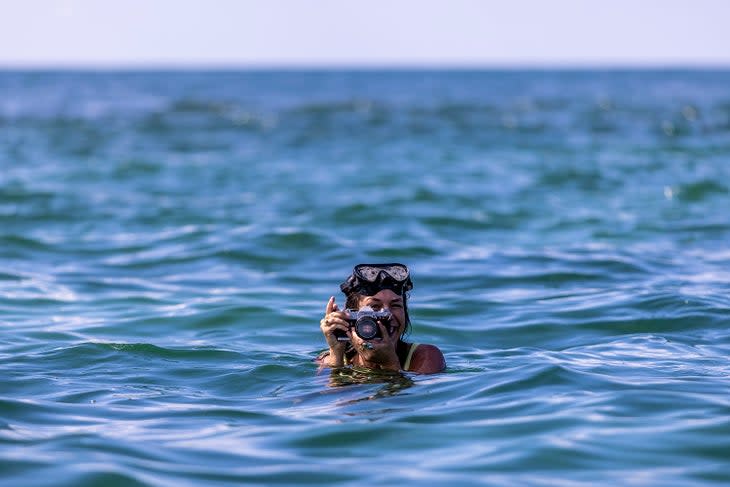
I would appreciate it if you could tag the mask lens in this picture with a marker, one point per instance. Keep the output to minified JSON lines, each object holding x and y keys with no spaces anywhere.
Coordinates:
{"x":399,"y":273}
{"x":368,"y":273}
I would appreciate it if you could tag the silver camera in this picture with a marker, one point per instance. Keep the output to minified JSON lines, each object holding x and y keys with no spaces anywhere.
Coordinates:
{"x":365,"y":322}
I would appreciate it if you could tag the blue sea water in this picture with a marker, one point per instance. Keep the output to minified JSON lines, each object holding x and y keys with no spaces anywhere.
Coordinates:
{"x":168,"y":242}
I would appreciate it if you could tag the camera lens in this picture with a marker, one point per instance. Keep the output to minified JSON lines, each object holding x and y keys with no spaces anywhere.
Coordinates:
{"x":367,"y":328}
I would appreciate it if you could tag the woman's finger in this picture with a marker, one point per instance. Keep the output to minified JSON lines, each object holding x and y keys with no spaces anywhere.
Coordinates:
{"x":384,"y":332}
{"x":332,"y":321}
{"x":335,"y":320}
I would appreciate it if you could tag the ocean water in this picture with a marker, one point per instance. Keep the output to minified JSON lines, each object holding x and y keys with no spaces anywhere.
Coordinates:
{"x":168,"y":242}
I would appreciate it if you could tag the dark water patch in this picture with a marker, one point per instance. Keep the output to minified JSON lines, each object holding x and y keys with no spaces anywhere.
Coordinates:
{"x":700,"y":190}
{"x":550,"y":279}
{"x":219,"y":118}
{"x":677,"y":323}
{"x":363,"y":106}
{"x":11,"y":407}
{"x":360,"y":213}
{"x":475,"y":221}
{"x":552,"y":376}
{"x":101,"y":476}
{"x":137,"y":168}
{"x":16,"y":192}
{"x":402,"y":252}
{"x":46,"y":473}
{"x":83,"y":357}
{"x":22,"y":244}
{"x":291,"y":239}
{"x":190,"y":105}
{"x":585,"y":179}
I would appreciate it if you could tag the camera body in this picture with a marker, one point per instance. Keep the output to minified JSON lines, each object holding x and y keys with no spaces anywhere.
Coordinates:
{"x":365,"y":322}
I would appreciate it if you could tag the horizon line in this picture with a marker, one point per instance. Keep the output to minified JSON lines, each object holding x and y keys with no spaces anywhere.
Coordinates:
{"x":384,"y":66}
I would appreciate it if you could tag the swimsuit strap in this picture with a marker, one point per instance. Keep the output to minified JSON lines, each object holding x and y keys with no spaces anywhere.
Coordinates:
{"x":407,"y":363}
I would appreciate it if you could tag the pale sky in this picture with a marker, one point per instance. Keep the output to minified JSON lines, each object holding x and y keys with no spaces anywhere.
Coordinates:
{"x":389,"y":33}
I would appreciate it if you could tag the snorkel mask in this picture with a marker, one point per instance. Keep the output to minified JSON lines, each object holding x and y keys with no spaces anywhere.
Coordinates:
{"x":369,"y":279}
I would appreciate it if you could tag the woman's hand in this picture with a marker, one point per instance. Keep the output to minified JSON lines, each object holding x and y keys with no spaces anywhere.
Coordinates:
{"x":333,"y":320}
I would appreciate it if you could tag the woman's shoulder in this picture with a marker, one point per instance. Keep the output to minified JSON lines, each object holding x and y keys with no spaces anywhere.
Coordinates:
{"x":426,"y":359}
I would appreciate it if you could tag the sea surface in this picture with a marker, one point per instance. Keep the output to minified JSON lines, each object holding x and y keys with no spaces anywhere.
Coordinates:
{"x":169,"y":240}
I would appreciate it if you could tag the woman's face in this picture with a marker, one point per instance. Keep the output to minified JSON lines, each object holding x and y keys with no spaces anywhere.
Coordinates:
{"x":387,"y":299}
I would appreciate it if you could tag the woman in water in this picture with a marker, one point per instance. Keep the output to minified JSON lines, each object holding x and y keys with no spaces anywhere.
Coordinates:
{"x":377,"y":294}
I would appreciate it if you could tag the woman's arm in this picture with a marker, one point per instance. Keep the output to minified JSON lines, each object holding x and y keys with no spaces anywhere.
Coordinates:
{"x":427,"y":359}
